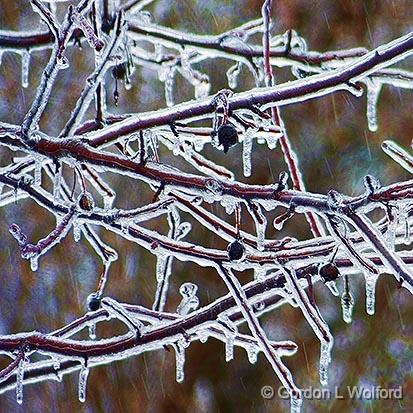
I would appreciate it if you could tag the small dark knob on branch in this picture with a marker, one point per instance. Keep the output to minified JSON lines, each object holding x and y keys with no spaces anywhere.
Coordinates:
{"x":235,"y":250}
{"x":93,"y":302}
{"x":86,"y":202}
{"x":119,"y":71}
{"x":227,"y":136}
{"x":329,"y":272}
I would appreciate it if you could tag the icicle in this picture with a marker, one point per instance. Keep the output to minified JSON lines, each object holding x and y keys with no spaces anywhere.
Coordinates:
{"x":229,"y":345}
{"x":107,"y":201}
{"x":390,"y":235}
{"x":373,"y":92}
{"x":169,"y":87}
{"x":259,"y":273}
{"x":92,"y":331}
{"x":332,"y":286}
{"x":347,"y":302}
{"x":260,"y":221}
{"x":83,"y":374}
{"x":232,"y":75}
{"x":203,"y":337}
{"x":34,"y":263}
{"x":371,"y":280}
{"x":257,"y":70}
{"x":229,"y":204}
{"x":252,"y":354}
{"x":163,"y":273}
{"x":19,"y":381}
{"x":246,"y":150}
{"x":202,"y":88}
{"x":57,"y":180}
{"x":25,"y":69}
{"x":405,"y":218}
{"x":230,"y":330}
{"x":272,"y":139}
{"x":295,"y":405}
{"x":77,"y":227}
{"x":325,"y":359}
{"x":189,"y":301}
{"x":160,"y":267}
{"x":180,"y":361}
{"x":38,"y":173}
{"x":56,"y":364}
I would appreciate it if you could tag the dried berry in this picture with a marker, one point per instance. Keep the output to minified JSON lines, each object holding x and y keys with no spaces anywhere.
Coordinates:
{"x":120,"y":71}
{"x":86,"y":202}
{"x":329,"y":272}
{"x":235,"y":250}
{"x":93,"y":302}
{"x":227,"y":136}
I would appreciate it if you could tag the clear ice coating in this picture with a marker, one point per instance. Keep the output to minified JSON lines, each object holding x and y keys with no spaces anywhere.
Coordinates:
{"x":83,"y":375}
{"x":230,"y":331}
{"x":325,"y":359}
{"x":19,"y":381}
{"x":247,"y":150}
{"x":373,"y":92}
{"x":315,"y":320}
{"x":232,"y":75}
{"x":398,"y":154}
{"x":185,"y":143}
{"x":252,"y":354}
{"x":180,"y":346}
{"x":260,"y":221}
{"x":347,"y":304}
{"x":25,"y":69}
{"x":189,"y":301}
{"x":370,"y":280}
{"x":34,"y":263}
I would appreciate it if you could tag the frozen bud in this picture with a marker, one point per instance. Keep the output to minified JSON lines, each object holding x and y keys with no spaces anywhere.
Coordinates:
{"x":86,"y":201}
{"x":25,"y":181}
{"x":119,"y":71}
{"x":329,"y":272}
{"x":227,"y":136}
{"x":236,"y":250}
{"x":283,"y":181}
{"x":93,"y":302}
{"x":371,"y":184}
{"x":334,"y":199}
{"x":17,"y":233}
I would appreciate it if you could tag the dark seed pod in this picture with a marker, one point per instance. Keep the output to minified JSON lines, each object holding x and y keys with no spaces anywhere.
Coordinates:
{"x":107,"y":24}
{"x":329,"y":272}
{"x":235,"y":250}
{"x":86,"y":202}
{"x":227,"y":136}
{"x":120,"y":71}
{"x":93,"y":302}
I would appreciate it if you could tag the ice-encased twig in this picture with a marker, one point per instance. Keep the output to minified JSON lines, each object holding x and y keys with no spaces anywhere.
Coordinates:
{"x":316,"y":321}
{"x":272,"y":356}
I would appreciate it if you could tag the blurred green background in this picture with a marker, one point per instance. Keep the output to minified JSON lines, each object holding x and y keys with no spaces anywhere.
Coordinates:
{"x":335,"y":150}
